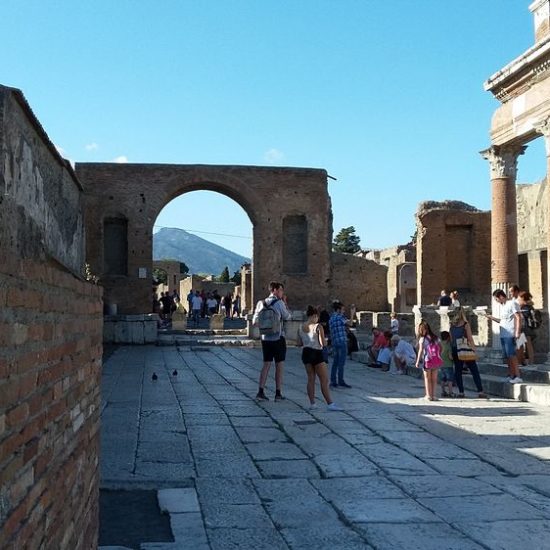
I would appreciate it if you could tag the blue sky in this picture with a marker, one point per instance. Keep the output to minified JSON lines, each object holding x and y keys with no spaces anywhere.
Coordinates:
{"x":386,"y":96}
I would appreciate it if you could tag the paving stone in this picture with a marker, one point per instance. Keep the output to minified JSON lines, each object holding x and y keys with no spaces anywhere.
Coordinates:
{"x":354,"y":490}
{"x":389,"y":510}
{"x":460,"y":467}
{"x":274,"y":451}
{"x":257,"y":435}
{"x":510,"y":534}
{"x":224,"y":466}
{"x":349,"y":464}
{"x":416,"y":536}
{"x":246,"y":539}
{"x":480,"y":508}
{"x":321,"y":535}
{"x":284,"y":469}
{"x":445,"y":485}
{"x":236,"y":516}
{"x":188,"y":530}
{"x":177,"y":501}
{"x":253,"y":421}
{"x":230,"y":491}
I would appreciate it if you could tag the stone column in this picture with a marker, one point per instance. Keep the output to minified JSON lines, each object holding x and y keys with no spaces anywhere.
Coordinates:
{"x":504,"y":237}
{"x":543,"y":127}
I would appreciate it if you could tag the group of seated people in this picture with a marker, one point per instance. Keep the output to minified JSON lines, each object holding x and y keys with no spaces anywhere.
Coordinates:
{"x":387,"y":346}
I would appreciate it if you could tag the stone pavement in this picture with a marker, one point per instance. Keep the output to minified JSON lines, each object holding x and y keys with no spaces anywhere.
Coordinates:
{"x":392,"y":471}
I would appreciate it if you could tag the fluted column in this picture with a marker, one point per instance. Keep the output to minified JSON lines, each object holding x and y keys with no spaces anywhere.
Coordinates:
{"x":504,"y":237}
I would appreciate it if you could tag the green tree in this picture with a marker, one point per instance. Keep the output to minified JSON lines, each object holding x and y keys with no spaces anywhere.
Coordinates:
{"x":224,"y":276}
{"x":236,"y":278}
{"x":160,"y":275}
{"x":346,"y":241}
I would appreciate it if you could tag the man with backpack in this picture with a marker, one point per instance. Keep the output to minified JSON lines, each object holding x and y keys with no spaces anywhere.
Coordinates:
{"x":269,"y":316}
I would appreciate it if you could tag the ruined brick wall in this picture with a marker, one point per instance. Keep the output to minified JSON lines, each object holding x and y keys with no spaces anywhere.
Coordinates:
{"x":50,"y":346}
{"x":453,"y":252}
{"x":294,"y":219}
{"x":359,"y":281}
{"x":532,"y":219}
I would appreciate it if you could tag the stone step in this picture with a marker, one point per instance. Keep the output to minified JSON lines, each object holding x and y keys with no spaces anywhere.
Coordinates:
{"x":534,"y":389}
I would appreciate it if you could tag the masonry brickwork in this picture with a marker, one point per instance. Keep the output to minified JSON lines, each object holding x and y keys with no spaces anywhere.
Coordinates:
{"x":289,"y":209}
{"x":50,"y":345}
{"x":453,"y":248}
{"x":359,"y":281}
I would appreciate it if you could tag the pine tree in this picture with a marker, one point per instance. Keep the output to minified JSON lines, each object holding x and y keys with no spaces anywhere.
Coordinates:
{"x":224,"y":277}
{"x":346,"y":241}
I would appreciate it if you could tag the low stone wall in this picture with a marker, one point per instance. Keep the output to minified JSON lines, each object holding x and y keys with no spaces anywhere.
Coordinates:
{"x":381,"y":320}
{"x":130,"y":329}
{"x":291,"y":327}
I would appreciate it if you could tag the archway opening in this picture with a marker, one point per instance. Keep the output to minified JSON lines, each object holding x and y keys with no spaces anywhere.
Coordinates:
{"x":204,"y":241}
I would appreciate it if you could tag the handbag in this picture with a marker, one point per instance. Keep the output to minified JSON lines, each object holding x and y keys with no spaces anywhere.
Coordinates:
{"x":464,"y":350}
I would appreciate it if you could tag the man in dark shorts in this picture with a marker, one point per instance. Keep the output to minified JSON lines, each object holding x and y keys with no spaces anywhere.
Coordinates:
{"x":273,"y":345}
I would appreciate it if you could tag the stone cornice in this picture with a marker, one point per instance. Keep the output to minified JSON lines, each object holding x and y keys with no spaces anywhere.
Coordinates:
{"x":517,"y":76}
{"x":503,"y":161}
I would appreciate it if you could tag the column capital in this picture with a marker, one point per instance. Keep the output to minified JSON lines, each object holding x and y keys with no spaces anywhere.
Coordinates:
{"x":503,"y":159}
{"x":542,"y":126}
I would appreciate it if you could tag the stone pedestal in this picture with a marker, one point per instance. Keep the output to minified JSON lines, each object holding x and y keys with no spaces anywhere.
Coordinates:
{"x":216,"y":321}
{"x":179,"y":320}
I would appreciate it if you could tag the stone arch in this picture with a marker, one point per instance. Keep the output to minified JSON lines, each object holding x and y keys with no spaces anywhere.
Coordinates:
{"x":268,"y":196}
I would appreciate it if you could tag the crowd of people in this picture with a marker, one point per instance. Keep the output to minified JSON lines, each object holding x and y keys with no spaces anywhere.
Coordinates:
{"x":443,"y":358}
{"x":200,"y":305}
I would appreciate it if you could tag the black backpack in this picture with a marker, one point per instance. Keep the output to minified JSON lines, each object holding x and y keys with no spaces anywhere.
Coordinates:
{"x":534,"y":318}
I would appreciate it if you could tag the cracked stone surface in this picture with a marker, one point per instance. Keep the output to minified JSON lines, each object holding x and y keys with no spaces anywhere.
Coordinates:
{"x":390,"y":471}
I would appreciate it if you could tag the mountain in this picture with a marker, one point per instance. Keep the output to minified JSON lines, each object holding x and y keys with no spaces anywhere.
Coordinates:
{"x":200,"y":255}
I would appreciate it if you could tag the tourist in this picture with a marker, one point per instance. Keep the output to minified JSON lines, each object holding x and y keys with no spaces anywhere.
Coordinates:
{"x":429,"y":355}
{"x":513,"y":292}
{"x":211,"y":304}
{"x":525,"y":301}
{"x":445,"y":299}
{"x":227,"y":305}
{"x":166,"y":301}
{"x":404,"y":354}
{"x":312,"y":337}
{"x":394,"y":323}
{"x":378,"y":342}
{"x":454,"y":299}
{"x":236,"y":306}
{"x":203,"y":304}
{"x":190,"y":297}
{"x":383,"y":360}
{"x":446,"y":372}
{"x":460,"y":329}
{"x":510,"y":328}
{"x":353,"y":314}
{"x":324,"y":317}
{"x":196,"y":306}
{"x":273,"y":342}
{"x":338,"y":324}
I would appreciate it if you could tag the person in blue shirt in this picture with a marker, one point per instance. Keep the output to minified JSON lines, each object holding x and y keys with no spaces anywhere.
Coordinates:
{"x":339,"y":340}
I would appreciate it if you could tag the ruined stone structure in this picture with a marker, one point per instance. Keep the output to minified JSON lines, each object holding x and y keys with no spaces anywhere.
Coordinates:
{"x":454,"y":244}
{"x":532,"y":211}
{"x":289,"y":209}
{"x":196,"y":282}
{"x":401,"y":276}
{"x":247,"y":305}
{"x":360,"y":282}
{"x":173,"y":275}
{"x":523,"y":89}
{"x":50,"y":345}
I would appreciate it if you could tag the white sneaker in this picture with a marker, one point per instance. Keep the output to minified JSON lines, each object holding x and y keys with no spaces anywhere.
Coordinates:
{"x":334,"y":407}
{"x":516,"y":380}
{"x":312,"y":406}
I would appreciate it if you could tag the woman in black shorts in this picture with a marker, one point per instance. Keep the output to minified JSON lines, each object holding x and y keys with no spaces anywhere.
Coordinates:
{"x":312,"y":337}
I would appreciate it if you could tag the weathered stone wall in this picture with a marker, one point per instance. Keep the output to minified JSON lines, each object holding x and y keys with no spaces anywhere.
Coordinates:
{"x":173,"y":275}
{"x":196,"y":282}
{"x":532,"y":220}
{"x":532,"y":208}
{"x":453,"y":252}
{"x":358,"y":281}
{"x":50,"y":346}
{"x":289,"y":209}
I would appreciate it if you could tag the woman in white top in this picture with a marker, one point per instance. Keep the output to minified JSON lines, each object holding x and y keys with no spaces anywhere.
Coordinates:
{"x":312,"y":337}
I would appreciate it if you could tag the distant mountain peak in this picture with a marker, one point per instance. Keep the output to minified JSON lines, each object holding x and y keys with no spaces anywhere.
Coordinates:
{"x":200,"y":255}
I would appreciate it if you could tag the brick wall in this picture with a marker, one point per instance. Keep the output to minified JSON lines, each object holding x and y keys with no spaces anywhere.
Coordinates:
{"x":50,"y":346}
{"x":360,"y":282}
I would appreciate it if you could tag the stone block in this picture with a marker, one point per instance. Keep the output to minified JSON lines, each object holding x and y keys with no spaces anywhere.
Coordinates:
{"x":216,"y":321}
{"x":108,"y":331}
{"x":135,"y":330}
{"x":179,"y":321}
{"x":177,"y":501}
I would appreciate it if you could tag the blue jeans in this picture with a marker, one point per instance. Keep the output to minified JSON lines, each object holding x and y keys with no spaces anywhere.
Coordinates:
{"x":340,"y":350}
{"x":474,"y":371}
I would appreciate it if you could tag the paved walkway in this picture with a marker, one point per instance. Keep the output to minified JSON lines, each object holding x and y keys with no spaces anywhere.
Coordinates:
{"x":392,"y":471}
